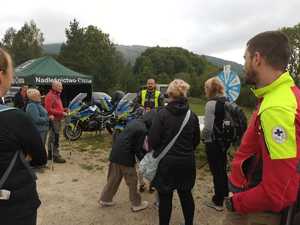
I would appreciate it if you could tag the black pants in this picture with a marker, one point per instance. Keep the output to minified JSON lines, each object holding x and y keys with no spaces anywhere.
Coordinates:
{"x":165,"y":206}
{"x":53,"y":139}
{"x":29,"y":219}
{"x":217,"y":160}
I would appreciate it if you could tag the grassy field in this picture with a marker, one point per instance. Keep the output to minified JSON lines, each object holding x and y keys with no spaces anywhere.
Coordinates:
{"x":197,"y":105}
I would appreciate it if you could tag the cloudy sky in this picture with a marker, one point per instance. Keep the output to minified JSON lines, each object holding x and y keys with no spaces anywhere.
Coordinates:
{"x":215,"y":27}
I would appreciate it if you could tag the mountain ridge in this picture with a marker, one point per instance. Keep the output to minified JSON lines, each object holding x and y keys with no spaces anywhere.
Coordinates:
{"x":132,"y":52}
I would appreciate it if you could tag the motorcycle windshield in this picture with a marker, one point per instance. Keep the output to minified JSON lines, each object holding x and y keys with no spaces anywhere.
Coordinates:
{"x":102,"y":100}
{"x":75,"y":103}
{"x":125,"y":103}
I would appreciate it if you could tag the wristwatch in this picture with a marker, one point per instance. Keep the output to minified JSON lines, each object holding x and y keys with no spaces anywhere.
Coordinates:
{"x":229,"y":204}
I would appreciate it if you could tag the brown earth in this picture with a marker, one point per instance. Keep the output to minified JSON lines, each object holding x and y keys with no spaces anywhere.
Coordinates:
{"x":70,"y":192}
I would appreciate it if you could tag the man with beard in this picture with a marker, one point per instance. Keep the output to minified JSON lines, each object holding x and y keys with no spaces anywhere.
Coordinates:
{"x":264,"y":176}
{"x":150,"y":98}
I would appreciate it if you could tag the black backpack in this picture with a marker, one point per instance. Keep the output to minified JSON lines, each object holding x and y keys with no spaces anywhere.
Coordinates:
{"x":234,"y":124}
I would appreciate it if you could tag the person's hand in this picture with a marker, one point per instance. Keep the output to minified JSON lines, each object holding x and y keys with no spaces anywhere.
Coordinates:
{"x":28,"y":158}
{"x":51,"y":117}
{"x":229,"y":204}
{"x":65,"y":114}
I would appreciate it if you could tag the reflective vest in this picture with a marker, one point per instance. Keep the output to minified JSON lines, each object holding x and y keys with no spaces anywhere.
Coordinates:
{"x":156,"y":96}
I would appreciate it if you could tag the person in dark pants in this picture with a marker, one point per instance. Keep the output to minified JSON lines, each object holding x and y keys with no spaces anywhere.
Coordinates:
{"x":38,"y":113}
{"x":150,"y":98}
{"x":127,"y":146}
{"x":55,"y":109}
{"x":20,"y":99}
{"x":177,"y":170}
{"x":216,"y":149}
{"x":18,"y":137}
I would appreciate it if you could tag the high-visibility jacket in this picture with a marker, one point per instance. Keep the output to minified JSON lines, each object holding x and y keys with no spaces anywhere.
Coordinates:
{"x":144,"y":97}
{"x":265,"y":165}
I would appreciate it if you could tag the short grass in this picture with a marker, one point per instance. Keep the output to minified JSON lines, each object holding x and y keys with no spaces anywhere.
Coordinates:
{"x":197,"y":105}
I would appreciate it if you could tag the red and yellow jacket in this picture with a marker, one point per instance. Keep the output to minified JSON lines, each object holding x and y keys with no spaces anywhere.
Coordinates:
{"x":272,"y":142}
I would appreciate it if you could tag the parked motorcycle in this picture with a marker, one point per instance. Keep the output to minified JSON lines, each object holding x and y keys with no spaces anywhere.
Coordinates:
{"x":96,"y":116}
{"x":126,"y":110}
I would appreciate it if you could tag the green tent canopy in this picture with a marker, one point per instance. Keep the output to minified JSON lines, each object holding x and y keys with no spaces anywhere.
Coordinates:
{"x":44,"y":70}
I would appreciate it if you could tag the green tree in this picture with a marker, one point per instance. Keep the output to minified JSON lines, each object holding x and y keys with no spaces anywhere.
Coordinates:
{"x":90,"y":51}
{"x":293,"y":34}
{"x":24,"y":44}
{"x":164,"y":64}
{"x":8,"y":39}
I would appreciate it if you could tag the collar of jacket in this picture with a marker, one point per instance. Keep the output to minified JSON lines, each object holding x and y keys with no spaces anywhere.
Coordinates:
{"x":283,"y":79}
{"x":32,"y":101}
{"x":55,"y":92}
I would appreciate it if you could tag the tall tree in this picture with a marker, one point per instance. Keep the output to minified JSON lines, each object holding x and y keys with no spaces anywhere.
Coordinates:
{"x":90,"y":51}
{"x":8,"y":38}
{"x":24,"y":44}
{"x":293,"y":34}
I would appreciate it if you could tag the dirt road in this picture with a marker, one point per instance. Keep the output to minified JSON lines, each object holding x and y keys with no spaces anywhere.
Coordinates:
{"x":69,"y":194}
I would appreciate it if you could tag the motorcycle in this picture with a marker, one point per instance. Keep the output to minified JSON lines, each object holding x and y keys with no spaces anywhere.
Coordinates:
{"x":126,"y":110}
{"x":97,"y":116}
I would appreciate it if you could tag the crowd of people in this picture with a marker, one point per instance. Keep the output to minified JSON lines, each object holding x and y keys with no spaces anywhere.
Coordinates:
{"x":263,"y":184}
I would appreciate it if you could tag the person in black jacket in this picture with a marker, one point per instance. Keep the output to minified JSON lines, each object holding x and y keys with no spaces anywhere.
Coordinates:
{"x":20,"y":99}
{"x":216,"y":149}
{"x":17,"y":133}
{"x":177,"y":170}
{"x":126,"y":147}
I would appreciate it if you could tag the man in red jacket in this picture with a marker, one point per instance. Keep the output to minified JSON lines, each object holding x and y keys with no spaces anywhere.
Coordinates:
{"x":54,"y":106}
{"x":265,"y":169}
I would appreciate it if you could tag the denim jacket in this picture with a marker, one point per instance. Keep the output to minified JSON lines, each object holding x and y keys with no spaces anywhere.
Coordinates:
{"x":39,"y":115}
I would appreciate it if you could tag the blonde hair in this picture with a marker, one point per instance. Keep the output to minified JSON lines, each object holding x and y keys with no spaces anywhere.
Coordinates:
{"x":31,"y":92}
{"x":178,"y":88}
{"x":214,"y":87}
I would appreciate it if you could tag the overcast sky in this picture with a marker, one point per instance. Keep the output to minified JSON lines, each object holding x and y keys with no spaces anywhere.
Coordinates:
{"x":215,"y":27}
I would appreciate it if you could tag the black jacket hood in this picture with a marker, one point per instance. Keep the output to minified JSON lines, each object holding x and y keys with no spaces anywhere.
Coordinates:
{"x":147,"y":118}
{"x":178,"y":107}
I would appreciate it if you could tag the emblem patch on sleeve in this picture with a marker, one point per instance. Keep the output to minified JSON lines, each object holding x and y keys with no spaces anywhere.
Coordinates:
{"x":279,"y":134}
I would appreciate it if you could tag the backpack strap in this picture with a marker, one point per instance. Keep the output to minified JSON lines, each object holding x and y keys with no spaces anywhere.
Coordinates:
{"x":172,"y":142}
{"x":4,"y":177}
{"x":9,"y":169}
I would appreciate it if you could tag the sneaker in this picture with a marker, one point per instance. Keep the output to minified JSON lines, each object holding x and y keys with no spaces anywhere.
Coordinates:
{"x":156,"y":205}
{"x":143,"y":206}
{"x":142,"y":188}
{"x":151,"y":189}
{"x":212,"y":205}
{"x":59,"y":159}
{"x":106,"y":204}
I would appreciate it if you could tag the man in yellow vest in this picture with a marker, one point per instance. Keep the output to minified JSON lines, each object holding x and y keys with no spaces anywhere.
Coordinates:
{"x":150,"y":98}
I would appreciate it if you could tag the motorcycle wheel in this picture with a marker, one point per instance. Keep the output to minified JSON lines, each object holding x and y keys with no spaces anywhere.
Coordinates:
{"x":109,"y":128}
{"x":72,"y":134}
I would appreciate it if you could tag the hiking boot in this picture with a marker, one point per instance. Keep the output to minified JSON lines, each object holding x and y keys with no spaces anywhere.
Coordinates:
{"x":212,"y":205}
{"x":106,"y":204}
{"x":142,"y":206}
{"x":142,"y":188}
{"x":59,"y":159}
